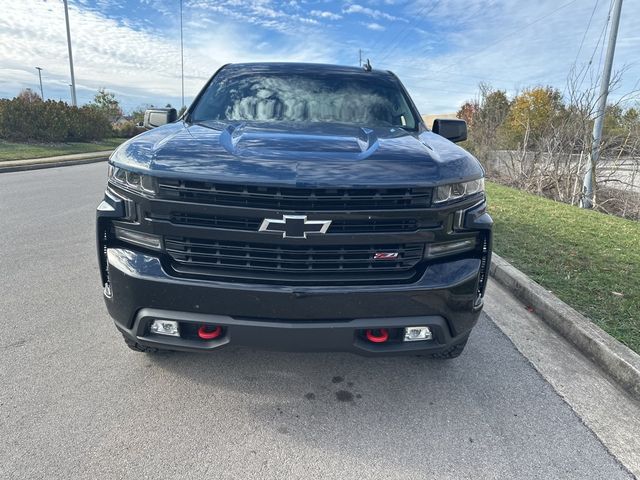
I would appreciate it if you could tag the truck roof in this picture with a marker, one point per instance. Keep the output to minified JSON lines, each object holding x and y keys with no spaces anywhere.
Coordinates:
{"x":291,"y":67}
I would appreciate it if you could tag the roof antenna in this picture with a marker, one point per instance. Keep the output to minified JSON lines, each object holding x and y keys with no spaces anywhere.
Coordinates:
{"x":367,"y":66}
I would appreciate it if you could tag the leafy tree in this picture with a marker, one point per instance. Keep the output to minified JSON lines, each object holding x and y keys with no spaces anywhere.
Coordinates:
{"x":181,"y":111}
{"x":137,"y":115}
{"x":467,"y":111}
{"x":620,"y":125}
{"x":486,"y":117}
{"x":106,"y":103}
{"x":494,"y":108}
{"x":533,"y":113}
{"x":613,"y":122}
{"x":631,"y":118}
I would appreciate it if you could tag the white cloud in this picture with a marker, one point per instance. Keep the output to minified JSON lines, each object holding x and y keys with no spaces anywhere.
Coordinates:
{"x":377,"y":14}
{"x":325,"y":14}
{"x":374,"y":26}
{"x":262,"y":13}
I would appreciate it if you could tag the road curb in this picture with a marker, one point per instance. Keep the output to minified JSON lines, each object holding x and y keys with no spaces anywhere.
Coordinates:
{"x":50,"y":162}
{"x":617,"y":360}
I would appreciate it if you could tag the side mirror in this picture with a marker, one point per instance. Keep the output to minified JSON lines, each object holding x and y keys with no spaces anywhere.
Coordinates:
{"x":454,"y":130}
{"x":156,"y":117}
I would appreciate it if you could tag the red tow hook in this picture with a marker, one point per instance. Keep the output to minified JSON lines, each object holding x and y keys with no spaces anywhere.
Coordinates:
{"x":379,"y":335}
{"x":206,"y":334}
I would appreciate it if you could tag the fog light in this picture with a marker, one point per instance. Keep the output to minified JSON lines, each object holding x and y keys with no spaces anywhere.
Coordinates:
{"x":139,"y":238}
{"x":449,"y":248}
{"x":415,"y":334}
{"x":165,"y":327}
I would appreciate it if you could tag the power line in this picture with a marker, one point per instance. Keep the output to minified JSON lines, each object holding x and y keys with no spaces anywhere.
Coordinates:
{"x":586,"y":31}
{"x":499,"y":40}
{"x":181,"y":56}
{"x":429,"y":79}
{"x":395,"y":43}
{"x":606,"y":29}
{"x":601,"y":38}
{"x":376,"y":43}
{"x":415,"y":68}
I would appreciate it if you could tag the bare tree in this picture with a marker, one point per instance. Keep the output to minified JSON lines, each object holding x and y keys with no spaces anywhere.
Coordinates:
{"x":541,"y":142}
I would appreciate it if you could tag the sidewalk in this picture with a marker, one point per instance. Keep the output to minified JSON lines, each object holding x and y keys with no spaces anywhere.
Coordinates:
{"x":49,"y":162}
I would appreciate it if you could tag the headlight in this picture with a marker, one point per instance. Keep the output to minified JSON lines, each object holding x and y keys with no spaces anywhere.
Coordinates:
{"x":457,"y":191}
{"x":132,"y":180}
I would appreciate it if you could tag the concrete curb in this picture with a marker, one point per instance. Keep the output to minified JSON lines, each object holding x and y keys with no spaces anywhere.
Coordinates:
{"x":50,"y":162}
{"x":617,"y":360}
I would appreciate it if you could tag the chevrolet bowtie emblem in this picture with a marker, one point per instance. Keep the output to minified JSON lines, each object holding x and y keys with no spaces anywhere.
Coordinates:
{"x":294,"y":226}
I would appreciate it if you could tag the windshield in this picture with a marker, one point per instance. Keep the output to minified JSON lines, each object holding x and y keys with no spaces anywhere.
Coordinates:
{"x":363,"y":100}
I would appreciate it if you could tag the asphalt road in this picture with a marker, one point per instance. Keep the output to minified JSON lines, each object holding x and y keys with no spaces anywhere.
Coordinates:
{"x":76,"y":403}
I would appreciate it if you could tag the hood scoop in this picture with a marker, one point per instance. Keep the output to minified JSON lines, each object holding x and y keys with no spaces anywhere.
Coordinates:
{"x":349,"y":143}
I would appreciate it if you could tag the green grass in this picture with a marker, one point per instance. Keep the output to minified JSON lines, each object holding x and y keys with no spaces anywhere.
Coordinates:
{"x":582,"y":256}
{"x":20,"y":151}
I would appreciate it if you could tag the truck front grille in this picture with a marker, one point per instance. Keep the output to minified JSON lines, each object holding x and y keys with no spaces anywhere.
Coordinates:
{"x":293,"y":198}
{"x":258,"y":261}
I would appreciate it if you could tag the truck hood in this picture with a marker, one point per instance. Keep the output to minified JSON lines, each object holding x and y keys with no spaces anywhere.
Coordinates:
{"x":334,"y":155}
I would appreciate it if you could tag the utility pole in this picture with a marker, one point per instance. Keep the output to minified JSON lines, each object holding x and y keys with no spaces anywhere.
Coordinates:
{"x":73,"y":78}
{"x":360,"y":56}
{"x":588,"y":185}
{"x":40,"y":77}
{"x":181,"y":54}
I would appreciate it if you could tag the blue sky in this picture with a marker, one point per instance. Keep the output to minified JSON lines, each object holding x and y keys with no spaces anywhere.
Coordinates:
{"x":441,"y":50}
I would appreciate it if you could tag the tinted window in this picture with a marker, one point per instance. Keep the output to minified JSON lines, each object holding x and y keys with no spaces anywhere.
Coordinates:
{"x":364,"y":100}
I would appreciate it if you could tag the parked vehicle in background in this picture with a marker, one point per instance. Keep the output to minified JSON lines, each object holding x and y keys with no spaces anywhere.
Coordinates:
{"x":296,"y":207}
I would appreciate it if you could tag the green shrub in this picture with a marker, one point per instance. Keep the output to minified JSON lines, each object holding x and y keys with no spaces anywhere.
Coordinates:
{"x":87,"y":123}
{"x":28,"y":118}
{"x":126,"y":129}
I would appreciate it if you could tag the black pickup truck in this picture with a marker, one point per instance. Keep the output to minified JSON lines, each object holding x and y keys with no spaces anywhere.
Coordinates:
{"x":296,"y":207}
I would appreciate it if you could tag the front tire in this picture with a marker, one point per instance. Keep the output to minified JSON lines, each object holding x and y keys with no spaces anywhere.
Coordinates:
{"x":453,"y":351}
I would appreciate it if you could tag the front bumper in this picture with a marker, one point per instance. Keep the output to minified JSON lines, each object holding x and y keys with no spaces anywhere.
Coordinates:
{"x":292,"y":318}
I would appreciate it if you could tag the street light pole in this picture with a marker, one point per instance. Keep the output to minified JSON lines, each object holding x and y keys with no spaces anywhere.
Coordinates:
{"x":588,"y":185}
{"x":40,"y":77}
{"x":73,"y":78}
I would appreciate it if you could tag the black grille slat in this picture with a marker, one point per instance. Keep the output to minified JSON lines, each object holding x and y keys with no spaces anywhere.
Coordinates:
{"x":226,"y":222}
{"x":223,"y":222}
{"x":373,"y":226}
{"x":364,"y":259}
{"x":291,"y":198}
{"x":176,"y":244}
{"x":277,"y":259}
{"x":291,"y":268}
